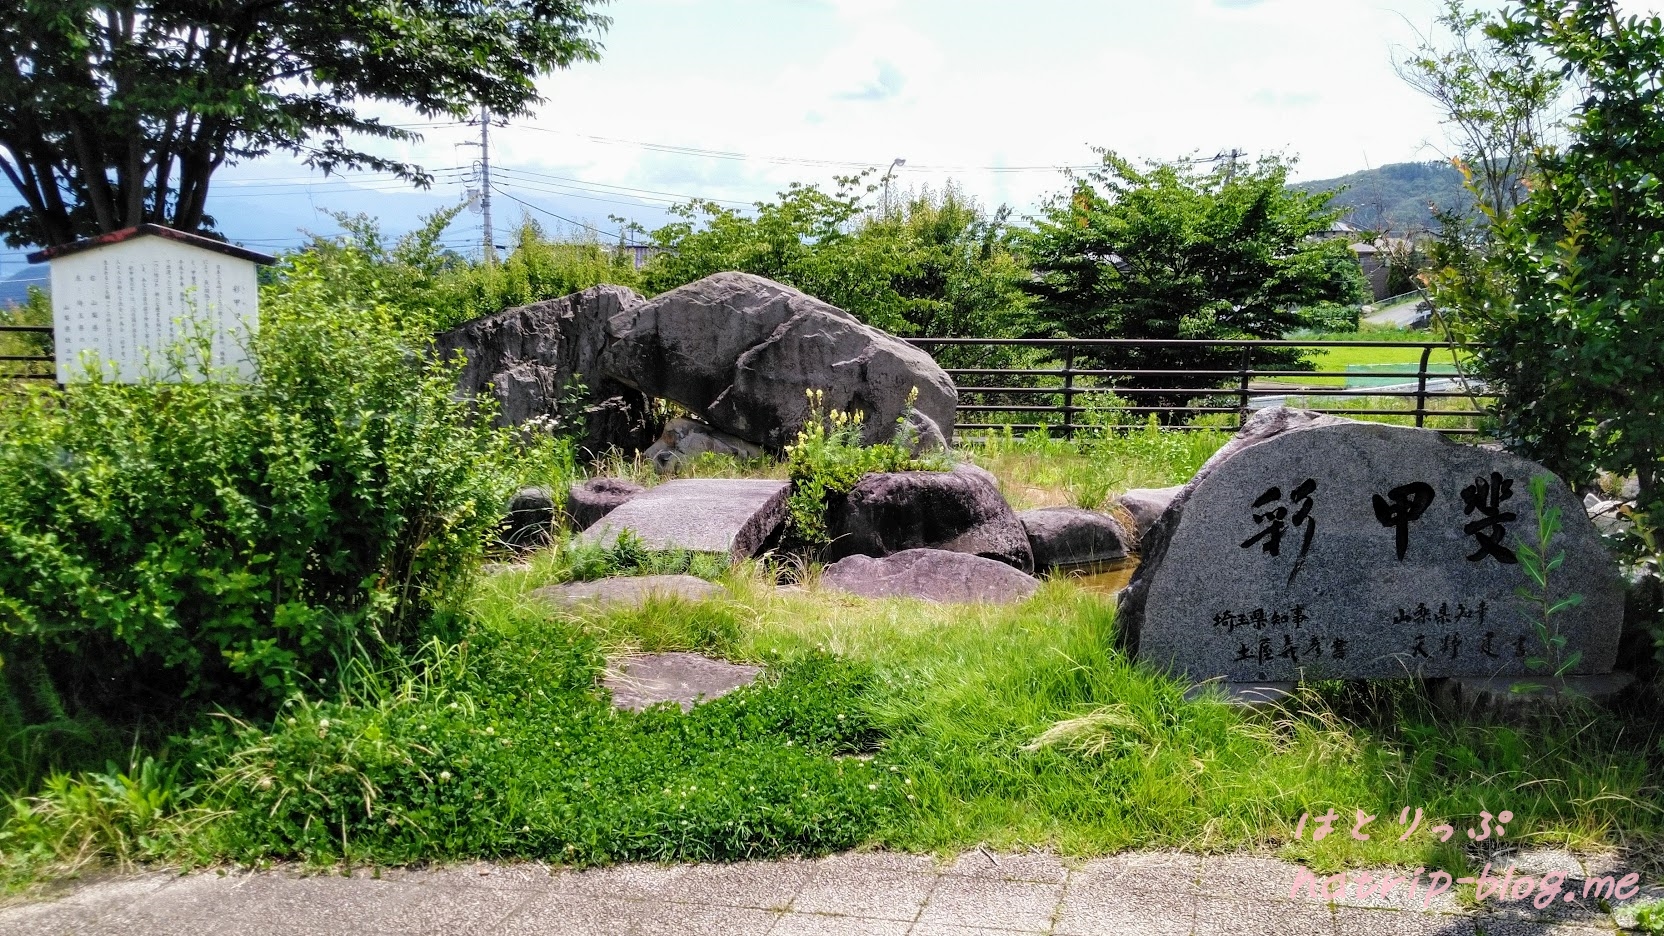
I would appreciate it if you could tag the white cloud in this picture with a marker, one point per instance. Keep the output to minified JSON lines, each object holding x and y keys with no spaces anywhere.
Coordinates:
{"x":961,"y":84}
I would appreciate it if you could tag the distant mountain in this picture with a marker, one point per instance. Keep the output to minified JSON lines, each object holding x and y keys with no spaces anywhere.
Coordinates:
{"x":1395,"y":197}
{"x":14,"y":288}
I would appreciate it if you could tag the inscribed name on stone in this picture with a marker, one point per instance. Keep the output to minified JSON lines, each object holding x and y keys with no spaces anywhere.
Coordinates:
{"x":733,"y":517}
{"x":1315,"y":547}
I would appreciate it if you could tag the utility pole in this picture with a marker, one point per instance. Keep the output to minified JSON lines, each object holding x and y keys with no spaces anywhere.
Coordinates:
{"x":1230,"y":167}
{"x":485,"y":183}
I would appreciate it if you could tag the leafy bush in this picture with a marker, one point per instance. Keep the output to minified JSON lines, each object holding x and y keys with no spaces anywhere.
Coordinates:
{"x":828,"y":460}
{"x":1173,"y":252}
{"x":537,"y":268}
{"x":1560,"y":297}
{"x":232,"y":540}
{"x":437,"y":288}
{"x":117,"y":815}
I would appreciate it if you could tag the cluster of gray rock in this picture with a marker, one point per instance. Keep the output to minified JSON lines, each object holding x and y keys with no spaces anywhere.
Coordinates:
{"x":736,"y":351}
{"x":1308,"y":547}
{"x":940,"y":535}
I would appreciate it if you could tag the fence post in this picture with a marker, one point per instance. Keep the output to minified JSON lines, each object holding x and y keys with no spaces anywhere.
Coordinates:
{"x":1421,"y":387}
{"x":1069,"y":392}
{"x":1242,"y":385}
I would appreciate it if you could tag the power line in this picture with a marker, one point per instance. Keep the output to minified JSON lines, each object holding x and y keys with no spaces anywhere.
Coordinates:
{"x":622,"y":189}
{"x":640,"y":201}
{"x":332,"y":177}
{"x":587,"y":227}
{"x":792,"y":160}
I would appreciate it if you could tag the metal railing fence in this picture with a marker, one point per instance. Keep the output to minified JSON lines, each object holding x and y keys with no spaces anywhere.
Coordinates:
{"x":18,"y":366}
{"x":1057,"y":396}
{"x":1204,"y":391}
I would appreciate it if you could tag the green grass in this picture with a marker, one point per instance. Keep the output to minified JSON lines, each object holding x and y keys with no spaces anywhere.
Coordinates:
{"x":1339,"y":359}
{"x":1024,"y":725}
{"x":1036,"y":470}
{"x":1008,"y":726}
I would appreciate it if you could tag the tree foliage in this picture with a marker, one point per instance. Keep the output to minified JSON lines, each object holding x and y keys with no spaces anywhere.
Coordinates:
{"x":1566,"y":302}
{"x":118,"y":113}
{"x":1171,"y":251}
{"x":937,"y":264}
{"x":1496,"y":95}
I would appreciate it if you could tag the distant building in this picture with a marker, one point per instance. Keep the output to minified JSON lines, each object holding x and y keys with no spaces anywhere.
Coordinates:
{"x":121,"y":302}
{"x":1374,"y":254}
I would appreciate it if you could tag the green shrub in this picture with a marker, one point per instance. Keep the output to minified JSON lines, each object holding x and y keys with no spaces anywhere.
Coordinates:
{"x":828,"y":460}
{"x":537,"y":268}
{"x":231,"y":541}
{"x":122,"y":816}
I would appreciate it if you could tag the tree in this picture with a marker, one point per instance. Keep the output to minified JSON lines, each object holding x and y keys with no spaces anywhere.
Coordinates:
{"x":118,"y":113}
{"x":1495,"y":94}
{"x":1565,"y":305}
{"x":1174,"y":252}
{"x":936,"y":265}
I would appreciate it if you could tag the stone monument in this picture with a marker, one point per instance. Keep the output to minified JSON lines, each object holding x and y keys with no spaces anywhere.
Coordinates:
{"x":1315,"y":547}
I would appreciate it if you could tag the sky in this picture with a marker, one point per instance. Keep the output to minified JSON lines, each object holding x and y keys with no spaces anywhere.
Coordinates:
{"x":994,"y":96}
{"x":733,"y":100}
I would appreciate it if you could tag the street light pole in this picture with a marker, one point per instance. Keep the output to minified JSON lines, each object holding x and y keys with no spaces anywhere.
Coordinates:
{"x":887,"y":174}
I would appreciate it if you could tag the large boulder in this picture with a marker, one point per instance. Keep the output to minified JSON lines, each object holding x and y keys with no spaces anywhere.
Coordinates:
{"x":1072,"y":538}
{"x":1145,"y":506}
{"x":931,"y":574}
{"x":541,"y":363}
{"x":588,"y":502}
{"x":1313,"y":547}
{"x":684,"y":440}
{"x":741,"y":351}
{"x":958,"y":511}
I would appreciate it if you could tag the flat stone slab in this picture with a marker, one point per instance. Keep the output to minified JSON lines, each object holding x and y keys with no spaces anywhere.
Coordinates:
{"x":731,"y":517}
{"x":931,"y":574}
{"x":629,"y":590}
{"x":684,"y":678}
{"x":1314,"y":547}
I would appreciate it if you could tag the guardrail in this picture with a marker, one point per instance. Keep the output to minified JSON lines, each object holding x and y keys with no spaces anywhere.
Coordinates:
{"x":1202,"y":391}
{"x":17,"y":366}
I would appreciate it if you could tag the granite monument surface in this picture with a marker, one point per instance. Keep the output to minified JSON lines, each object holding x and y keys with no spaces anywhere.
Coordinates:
{"x":1317,"y":547}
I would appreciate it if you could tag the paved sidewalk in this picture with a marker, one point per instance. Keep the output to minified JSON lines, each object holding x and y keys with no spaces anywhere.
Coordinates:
{"x":861,"y":894}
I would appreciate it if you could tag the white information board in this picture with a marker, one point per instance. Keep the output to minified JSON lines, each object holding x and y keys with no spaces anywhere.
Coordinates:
{"x":124,"y":306}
